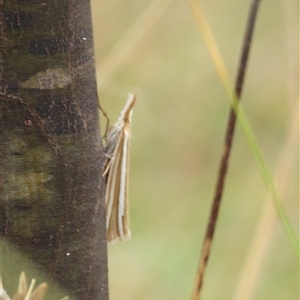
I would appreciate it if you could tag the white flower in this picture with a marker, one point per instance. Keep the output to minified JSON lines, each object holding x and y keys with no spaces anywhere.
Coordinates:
{"x":23,"y":293}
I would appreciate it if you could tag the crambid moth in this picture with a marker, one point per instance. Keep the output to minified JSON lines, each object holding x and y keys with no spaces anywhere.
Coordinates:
{"x":116,"y":172}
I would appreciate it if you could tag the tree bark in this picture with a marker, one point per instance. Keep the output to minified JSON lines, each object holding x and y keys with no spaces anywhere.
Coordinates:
{"x":51,"y":155}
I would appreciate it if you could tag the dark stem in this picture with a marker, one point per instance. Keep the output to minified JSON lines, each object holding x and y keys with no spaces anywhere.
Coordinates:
{"x":225,"y":155}
{"x":52,"y":192}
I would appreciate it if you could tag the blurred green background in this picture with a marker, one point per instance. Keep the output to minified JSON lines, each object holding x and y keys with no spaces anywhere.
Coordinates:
{"x":155,"y":49}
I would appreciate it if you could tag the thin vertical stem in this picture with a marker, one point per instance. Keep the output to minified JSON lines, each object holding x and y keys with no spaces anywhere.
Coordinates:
{"x":204,"y":256}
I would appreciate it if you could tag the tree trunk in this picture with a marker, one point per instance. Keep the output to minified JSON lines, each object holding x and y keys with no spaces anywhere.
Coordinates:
{"x":52,"y":213}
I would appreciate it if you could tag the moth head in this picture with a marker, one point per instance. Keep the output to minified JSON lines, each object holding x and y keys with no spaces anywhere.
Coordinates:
{"x":126,"y":113}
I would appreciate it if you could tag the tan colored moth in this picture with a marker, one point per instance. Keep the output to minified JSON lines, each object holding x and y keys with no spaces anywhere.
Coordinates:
{"x":116,"y":172}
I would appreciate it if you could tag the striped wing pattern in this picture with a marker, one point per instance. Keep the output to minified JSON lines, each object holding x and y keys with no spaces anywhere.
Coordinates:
{"x":116,"y":200}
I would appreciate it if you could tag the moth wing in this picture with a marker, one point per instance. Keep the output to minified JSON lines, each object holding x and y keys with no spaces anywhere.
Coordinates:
{"x":116,"y":201}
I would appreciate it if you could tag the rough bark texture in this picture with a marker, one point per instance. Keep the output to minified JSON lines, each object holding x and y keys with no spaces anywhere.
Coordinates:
{"x":51,"y":187}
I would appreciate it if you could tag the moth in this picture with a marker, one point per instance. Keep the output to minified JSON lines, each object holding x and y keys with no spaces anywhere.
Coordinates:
{"x":116,"y":173}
